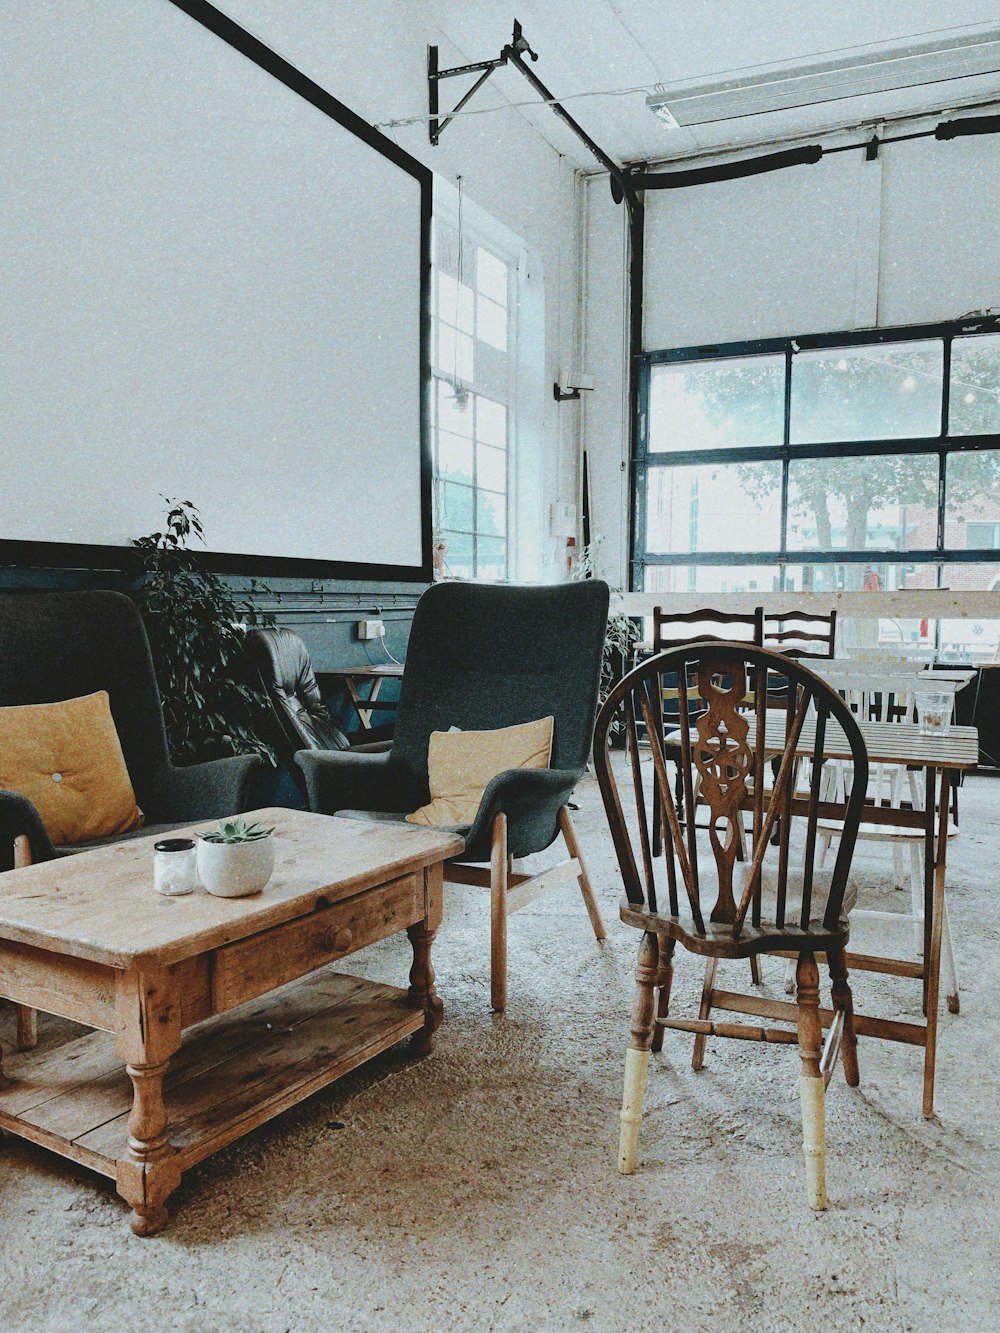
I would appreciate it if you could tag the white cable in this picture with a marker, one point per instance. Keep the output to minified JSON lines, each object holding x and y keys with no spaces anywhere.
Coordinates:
{"x":403,"y":121}
{"x":385,"y":649}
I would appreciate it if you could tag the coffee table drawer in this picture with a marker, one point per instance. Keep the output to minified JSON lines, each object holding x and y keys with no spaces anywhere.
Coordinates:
{"x":248,"y":968}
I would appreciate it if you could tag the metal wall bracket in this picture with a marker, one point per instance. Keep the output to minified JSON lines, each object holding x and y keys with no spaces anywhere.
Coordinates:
{"x":513,"y":54}
{"x":484,"y":68}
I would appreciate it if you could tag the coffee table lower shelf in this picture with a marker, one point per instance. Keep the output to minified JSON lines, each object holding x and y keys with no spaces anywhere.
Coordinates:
{"x":231,"y":1074}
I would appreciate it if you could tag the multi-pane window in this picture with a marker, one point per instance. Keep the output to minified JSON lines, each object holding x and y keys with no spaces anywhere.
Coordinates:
{"x":472,"y":380}
{"x":867,"y":461}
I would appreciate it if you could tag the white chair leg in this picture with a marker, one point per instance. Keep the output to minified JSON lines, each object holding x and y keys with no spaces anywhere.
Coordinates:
{"x":917,"y":898}
{"x":790,"y":977}
{"x":637,"y":1054}
{"x":949,"y":971}
{"x":812,"y":1087}
{"x":948,"y":968}
{"x":898,"y":876}
{"x":825,"y":840}
{"x":812,"y":1096}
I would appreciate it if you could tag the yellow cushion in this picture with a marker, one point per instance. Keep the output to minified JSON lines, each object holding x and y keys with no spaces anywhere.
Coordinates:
{"x":67,"y":759}
{"x":461,"y":764}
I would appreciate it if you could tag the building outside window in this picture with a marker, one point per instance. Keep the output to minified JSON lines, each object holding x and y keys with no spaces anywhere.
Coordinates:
{"x":838,"y":462}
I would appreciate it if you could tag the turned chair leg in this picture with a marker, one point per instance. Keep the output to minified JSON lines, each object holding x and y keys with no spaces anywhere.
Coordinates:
{"x":499,"y":871}
{"x":842,"y":999}
{"x":664,"y":980}
{"x":637,"y":1054}
{"x":811,"y":1085}
{"x":593,"y":911}
{"x":26,"y":1018}
{"x":704,"y":1009}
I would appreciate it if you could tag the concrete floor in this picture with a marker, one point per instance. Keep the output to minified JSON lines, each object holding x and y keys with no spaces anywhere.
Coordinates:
{"x":476,"y":1189}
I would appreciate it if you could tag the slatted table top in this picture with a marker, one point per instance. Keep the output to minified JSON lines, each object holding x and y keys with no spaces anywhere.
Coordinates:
{"x":101,"y":905}
{"x":886,"y":742}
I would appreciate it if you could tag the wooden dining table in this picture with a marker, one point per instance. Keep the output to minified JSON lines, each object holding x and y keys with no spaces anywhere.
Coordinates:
{"x":941,"y":757}
{"x":354,"y":676}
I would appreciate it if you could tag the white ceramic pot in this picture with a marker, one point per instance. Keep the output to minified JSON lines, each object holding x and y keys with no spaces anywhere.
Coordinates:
{"x":235,"y":869}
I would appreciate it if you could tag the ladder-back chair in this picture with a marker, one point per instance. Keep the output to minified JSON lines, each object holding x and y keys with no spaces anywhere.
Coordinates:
{"x":676,"y":629}
{"x":700,"y":895}
{"x":801,"y":633}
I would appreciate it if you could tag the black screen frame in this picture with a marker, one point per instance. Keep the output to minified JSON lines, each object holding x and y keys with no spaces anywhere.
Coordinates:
{"x":84,"y":555}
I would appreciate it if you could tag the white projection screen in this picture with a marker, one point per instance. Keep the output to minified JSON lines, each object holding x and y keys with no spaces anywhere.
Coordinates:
{"x":214,"y":287}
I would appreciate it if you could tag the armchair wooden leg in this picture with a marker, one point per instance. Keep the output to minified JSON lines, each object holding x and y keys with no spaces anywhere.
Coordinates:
{"x":593,"y":911}
{"x":637,"y":1055}
{"x":499,"y":869}
{"x":26,"y":1018}
{"x":811,"y":1085}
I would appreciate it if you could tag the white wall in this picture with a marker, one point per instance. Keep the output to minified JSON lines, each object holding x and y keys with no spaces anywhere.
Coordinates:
{"x":910,"y":238}
{"x":374,"y":58}
{"x":184,"y":242}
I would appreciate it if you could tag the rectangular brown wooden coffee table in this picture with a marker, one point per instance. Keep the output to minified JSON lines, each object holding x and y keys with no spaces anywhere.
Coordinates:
{"x":88,"y":938}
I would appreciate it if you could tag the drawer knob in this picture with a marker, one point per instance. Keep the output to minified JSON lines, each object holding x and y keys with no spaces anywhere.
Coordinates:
{"x":342,"y":939}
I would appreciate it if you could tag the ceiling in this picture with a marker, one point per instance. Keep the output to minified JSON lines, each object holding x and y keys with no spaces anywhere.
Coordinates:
{"x":590,"y":50}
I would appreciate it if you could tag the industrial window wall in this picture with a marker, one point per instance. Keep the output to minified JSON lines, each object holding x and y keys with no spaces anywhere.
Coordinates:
{"x":838,"y":462}
{"x":472,"y":373}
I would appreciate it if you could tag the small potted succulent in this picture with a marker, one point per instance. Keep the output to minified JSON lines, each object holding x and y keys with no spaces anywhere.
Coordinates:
{"x":235,"y":859}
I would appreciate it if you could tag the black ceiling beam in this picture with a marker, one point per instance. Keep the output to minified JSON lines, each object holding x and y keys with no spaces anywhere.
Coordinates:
{"x":958,"y":129}
{"x":803,"y":156}
{"x":728,"y":171}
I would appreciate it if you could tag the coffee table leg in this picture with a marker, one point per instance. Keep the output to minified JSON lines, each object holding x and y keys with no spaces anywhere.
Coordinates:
{"x":422,"y":994}
{"x":149,"y":1031}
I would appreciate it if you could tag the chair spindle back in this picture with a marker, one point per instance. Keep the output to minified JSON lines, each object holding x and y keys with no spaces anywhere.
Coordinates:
{"x":726,"y":749}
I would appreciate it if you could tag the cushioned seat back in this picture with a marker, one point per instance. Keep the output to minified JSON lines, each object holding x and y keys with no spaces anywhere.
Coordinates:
{"x":481,"y":657}
{"x":60,"y":645}
{"x":285,"y":672}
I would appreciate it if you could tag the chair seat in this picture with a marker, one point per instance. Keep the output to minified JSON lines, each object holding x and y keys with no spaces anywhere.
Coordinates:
{"x":718,"y":939}
{"x":399,"y":817}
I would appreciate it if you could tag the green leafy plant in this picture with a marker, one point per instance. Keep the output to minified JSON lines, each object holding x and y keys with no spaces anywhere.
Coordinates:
{"x":621,"y":635}
{"x":196,"y":624}
{"x":236,"y":830}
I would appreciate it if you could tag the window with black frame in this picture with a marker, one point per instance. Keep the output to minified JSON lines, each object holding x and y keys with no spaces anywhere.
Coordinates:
{"x":841,"y":462}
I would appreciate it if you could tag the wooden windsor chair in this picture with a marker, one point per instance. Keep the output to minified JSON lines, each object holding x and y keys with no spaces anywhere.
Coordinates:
{"x":758,"y":908}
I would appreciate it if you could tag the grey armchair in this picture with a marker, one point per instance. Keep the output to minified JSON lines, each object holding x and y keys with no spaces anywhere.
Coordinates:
{"x":482,"y":657}
{"x":57,"y":646}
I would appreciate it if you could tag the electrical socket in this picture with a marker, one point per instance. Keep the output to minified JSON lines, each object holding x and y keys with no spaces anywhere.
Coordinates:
{"x":371,"y":629}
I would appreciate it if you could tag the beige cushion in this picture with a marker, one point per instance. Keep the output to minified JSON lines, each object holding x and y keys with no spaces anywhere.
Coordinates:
{"x":67,"y":759}
{"x":461,"y":764}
